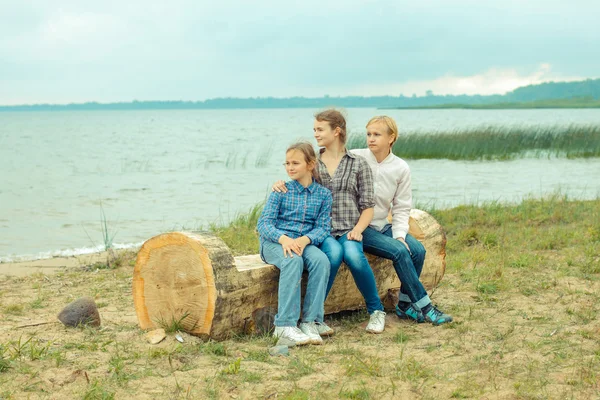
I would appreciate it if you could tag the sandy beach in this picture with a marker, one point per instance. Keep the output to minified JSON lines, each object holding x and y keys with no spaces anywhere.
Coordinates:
{"x":54,"y":264}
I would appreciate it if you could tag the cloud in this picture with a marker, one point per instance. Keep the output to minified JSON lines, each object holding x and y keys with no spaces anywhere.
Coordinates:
{"x":83,"y":50}
{"x":492,"y":81}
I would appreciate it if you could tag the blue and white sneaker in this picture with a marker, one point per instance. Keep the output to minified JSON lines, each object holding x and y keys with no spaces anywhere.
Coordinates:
{"x":411,"y":313}
{"x":436,"y":317}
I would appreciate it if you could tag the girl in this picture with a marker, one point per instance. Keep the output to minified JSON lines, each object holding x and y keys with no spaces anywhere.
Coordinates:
{"x":291,"y":226}
{"x":351,"y":183}
{"x":392,"y":241}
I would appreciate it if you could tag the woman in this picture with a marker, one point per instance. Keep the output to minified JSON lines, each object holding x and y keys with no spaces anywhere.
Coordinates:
{"x":392,"y":241}
{"x":291,"y":227}
{"x":350,"y":180}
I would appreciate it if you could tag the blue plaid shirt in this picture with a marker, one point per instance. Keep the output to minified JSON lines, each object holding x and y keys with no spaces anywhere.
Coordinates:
{"x":299,"y":212}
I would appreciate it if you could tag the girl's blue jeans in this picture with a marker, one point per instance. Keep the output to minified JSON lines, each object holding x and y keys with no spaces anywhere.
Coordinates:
{"x":290,"y":275}
{"x":351,"y":253}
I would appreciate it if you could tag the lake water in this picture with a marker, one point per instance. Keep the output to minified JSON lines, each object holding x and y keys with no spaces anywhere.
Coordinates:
{"x":156,"y":171}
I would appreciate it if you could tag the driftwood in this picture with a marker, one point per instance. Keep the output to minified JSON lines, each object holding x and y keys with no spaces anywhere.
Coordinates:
{"x":193,"y":279}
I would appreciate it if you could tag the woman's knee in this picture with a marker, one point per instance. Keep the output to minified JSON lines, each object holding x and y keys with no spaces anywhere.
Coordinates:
{"x":354,"y":257}
{"x":334,"y":252}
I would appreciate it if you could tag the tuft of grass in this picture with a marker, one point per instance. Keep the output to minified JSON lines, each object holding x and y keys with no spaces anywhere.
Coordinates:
{"x":14,"y":309}
{"x":4,"y":362}
{"x":107,"y":235}
{"x":233,"y":368}
{"x":215,"y":348}
{"x":264,"y":156}
{"x":358,"y":394}
{"x":299,"y":367}
{"x":98,"y":391}
{"x":175,"y":324}
{"x":401,"y":337}
{"x":240,"y":234}
{"x":370,"y":366}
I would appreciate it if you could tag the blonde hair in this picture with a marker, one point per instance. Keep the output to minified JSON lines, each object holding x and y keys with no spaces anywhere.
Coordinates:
{"x":389,"y":122}
{"x":335,"y":120}
{"x":309,"y":155}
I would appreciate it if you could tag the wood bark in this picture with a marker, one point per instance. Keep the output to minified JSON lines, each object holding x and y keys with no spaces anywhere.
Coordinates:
{"x":191,"y":278}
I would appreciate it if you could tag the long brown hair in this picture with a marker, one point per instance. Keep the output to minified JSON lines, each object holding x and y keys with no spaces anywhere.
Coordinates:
{"x":335,"y":120}
{"x":309,"y":156}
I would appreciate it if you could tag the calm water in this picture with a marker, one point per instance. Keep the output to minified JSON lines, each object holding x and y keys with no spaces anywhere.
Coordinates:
{"x":155,"y":171}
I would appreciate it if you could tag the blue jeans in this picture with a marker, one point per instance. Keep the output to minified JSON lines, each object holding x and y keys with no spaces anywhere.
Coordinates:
{"x":408,"y":265}
{"x":351,"y":253}
{"x":290,"y":277}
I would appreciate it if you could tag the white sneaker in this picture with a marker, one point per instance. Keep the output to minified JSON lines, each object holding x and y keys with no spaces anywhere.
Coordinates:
{"x":323,"y":329}
{"x":310,"y":330}
{"x":291,"y":333}
{"x":376,"y":322}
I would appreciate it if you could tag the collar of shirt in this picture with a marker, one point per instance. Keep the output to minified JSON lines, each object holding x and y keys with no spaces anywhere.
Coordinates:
{"x":371,"y":157}
{"x":348,"y":153}
{"x":297,"y":187}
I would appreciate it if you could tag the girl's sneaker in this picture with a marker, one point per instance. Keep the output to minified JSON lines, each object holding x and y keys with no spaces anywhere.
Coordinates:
{"x":412,"y":313}
{"x":376,"y":322}
{"x":292,"y":334}
{"x":310,"y":330}
{"x":436,"y":317}
{"x":324,"y":329}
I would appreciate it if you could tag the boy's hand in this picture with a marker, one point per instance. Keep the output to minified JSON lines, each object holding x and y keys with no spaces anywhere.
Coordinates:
{"x":405,"y":244}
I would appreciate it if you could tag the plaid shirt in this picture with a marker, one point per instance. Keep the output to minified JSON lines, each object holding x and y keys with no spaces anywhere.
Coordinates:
{"x":352,"y":190}
{"x":299,"y":212}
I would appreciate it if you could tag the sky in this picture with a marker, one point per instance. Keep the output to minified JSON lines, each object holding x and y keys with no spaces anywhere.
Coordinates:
{"x":72,"y":51}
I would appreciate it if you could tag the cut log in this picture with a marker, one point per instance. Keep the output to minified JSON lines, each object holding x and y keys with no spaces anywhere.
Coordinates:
{"x":191,"y":278}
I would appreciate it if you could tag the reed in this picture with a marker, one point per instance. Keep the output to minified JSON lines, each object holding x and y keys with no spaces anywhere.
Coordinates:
{"x":496,"y":143}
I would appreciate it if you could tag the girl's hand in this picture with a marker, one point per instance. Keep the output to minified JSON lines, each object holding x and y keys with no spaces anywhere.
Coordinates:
{"x":355,"y":235}
{"x":405,"y":244}
{"x":290,"y":246}
{"x":302,"y":242}
{"x":279,"y":186}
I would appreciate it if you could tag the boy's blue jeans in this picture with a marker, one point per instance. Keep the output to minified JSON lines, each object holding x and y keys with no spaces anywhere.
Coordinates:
{"x":408,"y":265}
{"x":351,"y":253}
{"x":290,"y":276}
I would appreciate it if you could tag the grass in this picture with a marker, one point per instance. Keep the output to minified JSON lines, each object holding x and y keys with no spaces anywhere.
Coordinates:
{"x":522,"y":282}
{"x":496,"y":143}
{"x":240,"y":234}
{"x":173,"y":324}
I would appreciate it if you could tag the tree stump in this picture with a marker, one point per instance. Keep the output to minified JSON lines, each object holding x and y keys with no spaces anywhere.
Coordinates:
{"x":192,"y":278}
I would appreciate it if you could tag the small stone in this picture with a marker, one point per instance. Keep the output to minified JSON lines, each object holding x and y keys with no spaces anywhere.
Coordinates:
{"x":179,"y":337}
{"x":286,"y":342}
{"x":279,"y":351}
{"x":82,"y":311}
{"x":156,"y":336}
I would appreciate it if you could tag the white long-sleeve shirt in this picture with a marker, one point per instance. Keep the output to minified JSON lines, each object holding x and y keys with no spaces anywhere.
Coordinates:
{"x":391,"y":179}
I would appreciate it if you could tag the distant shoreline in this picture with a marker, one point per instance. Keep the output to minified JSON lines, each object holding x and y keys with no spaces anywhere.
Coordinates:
{"x":580,"y":94}
{"x":575,"y":103}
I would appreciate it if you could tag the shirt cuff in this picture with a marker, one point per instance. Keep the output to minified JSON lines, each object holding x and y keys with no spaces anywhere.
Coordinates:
{"x":399,"y":234}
